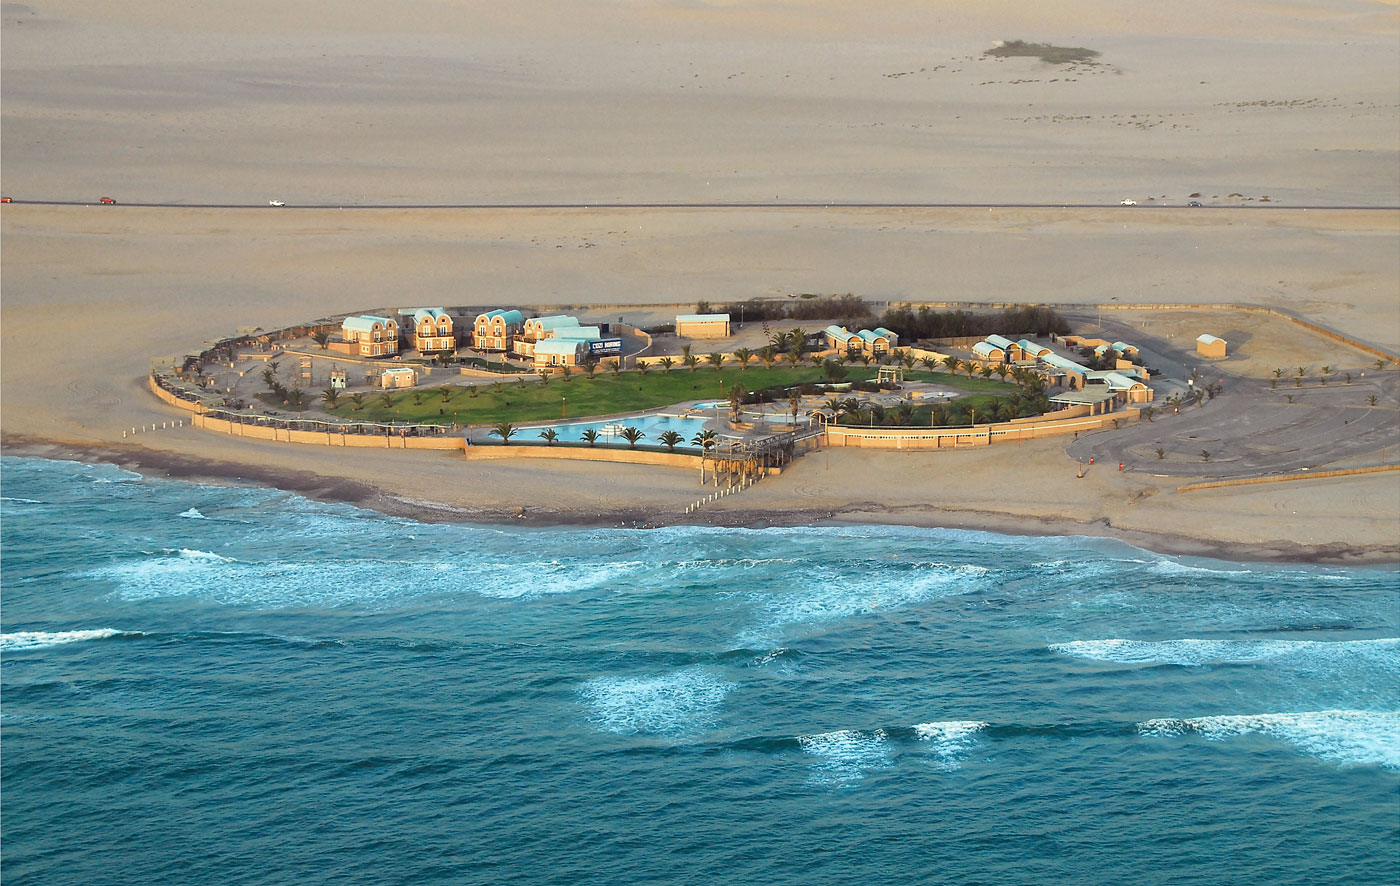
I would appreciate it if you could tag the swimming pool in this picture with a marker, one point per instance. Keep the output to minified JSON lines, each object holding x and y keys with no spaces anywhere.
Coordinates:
{"x":610,"y":430}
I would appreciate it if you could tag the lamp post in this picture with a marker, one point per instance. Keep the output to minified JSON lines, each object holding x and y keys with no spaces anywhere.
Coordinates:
{"x":563,"y":406}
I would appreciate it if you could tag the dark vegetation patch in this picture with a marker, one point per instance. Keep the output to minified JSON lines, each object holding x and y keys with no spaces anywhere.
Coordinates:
{"x":1055,"y":55}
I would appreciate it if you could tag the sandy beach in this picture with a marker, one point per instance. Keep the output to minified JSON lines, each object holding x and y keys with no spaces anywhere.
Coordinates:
{"x":154,"y":102}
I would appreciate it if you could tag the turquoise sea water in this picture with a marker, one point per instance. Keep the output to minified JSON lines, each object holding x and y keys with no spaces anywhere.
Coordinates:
{"x":215,"y":685}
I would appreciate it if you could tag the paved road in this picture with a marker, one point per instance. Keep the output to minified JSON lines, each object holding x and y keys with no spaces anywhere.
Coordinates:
{"x":701,"y":205}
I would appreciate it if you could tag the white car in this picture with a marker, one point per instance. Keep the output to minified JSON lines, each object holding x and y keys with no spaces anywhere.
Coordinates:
{"x":1127,"y":203}
{"x":275,"y":203}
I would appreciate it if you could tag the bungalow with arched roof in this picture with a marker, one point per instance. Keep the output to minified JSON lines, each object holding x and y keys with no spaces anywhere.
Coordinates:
{"x":432,"y":330}
{"x":577,"y":333}
{"x":842,"y":339}
{"x":987,"y":352}
{"x":371,"y":336}
{"x":539,"y":328}
{"x":494,"y":330}
{"x":1011,"y":350}
{"x":1031,"y":349}
{"x":1125,"y":349}
{"x":1208,"y":345}
{"x":556,"y":352}
{"x":1074,"y":373}
{"x":1129,"y":390}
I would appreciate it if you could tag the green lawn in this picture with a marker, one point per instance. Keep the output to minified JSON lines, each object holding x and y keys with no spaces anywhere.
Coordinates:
{"x":604,"y":394}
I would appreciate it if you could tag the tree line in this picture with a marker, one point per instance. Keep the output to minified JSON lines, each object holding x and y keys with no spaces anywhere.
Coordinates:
{"x":853,"y":312}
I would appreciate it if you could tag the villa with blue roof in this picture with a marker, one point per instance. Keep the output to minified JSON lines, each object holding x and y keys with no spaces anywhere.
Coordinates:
{"x":432,"y":331}
{"x":494,"y":330}
{"x":371,"y":336}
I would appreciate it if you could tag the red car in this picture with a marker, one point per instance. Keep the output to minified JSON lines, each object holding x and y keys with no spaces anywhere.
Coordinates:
{"x":5,"y":200}
{"x":108,"y":200}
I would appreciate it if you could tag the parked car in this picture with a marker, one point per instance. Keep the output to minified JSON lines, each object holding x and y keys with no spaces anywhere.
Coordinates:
{"x":107,"y":200}
{"x":1127,"y":203}
{"x":275,"y":203}
{"x":1194,"y":203}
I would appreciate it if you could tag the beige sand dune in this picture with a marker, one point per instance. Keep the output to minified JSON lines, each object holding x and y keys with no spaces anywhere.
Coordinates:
{"x":624,"y":100}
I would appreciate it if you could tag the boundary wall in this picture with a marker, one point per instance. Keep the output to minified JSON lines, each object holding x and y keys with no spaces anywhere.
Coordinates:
{"x":976,"y":435}
{"x":1283,"y":478}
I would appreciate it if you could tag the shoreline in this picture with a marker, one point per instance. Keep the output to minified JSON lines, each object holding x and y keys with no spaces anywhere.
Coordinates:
{"x":323,"y":488}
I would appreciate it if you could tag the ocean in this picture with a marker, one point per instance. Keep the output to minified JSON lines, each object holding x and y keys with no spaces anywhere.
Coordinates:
{"x":205,"y":684}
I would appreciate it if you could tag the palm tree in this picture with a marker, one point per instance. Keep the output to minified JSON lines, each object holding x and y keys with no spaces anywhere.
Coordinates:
{"x":986,"y":370}
{"x":794,"y":404}
{"x":615,"y":366}
{"x":386,"y":400}
{"x":566,"y":370}
{"x":929,"y":362}
{"x":794,"y":357}
{"x":669,"y":439}
{"x":715,"y":359}
{"x":778,"y":341}
{"x":667,"y":362}
{"x":685,"y":351}
{"x":632,"y":435}
{"x":417,"y":398}
{"x":864,"y":358}
{"x":505,"y":430}
{"x":590,"y":437}
{"x":736,"y":401}
{"x":1380,"y":364}
{"x":1161,"y":453}
{"x":1205,"y":455}
{"x":321,"y":337}
{"x":1371,"y":399}
{"x":357,"y":401}
{"x":330,"y":396}
{"x":1326,"y":371}
{"x":1005,"y":410}
{"x":446,"y":393}
{"x":589,"y":365}
{"x":549,"y":435}
{"x":743,"y":355}
{"x":952,"y":363}
{"x":643,"y":367}
{"x":297,"y":397}
{"x":907,"y":359}
{"x":691,"y":361}
{"x":768,"y":357}
{"x":1348,"y":378}
{"x":1003,"y":371}
{"x":706,"y":440}
{"x":1148,"y":412}
{"x":544,"y":376}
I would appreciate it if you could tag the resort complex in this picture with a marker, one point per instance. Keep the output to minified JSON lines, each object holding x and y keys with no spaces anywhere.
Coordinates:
{"x":511,"y":382}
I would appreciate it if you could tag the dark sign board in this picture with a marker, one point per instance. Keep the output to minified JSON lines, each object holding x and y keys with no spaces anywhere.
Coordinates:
{"x":605,"y":346}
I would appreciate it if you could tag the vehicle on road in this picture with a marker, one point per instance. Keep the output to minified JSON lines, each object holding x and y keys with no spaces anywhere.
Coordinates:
{"x":107,"y":200}
{"x":275,"y":203}
{"x":5,"y":200}
{"x":1127,"y":203}
{"x":1194,"y":203}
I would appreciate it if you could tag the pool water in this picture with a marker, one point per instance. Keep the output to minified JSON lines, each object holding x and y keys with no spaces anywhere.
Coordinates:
{"x":610,"y":430}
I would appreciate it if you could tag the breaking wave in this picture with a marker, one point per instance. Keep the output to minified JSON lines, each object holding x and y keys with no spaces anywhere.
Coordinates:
{"x":40,"y":639}
{"x":951,"y":740}
{"x":1197,"y":653}
{"x":1349,"y":738}
{"x":846,"y":755}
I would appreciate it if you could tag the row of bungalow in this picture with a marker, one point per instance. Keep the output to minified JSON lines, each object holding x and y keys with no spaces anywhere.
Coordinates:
{"x":875,"y":342}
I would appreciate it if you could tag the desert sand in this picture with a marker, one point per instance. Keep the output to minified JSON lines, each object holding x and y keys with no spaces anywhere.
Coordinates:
{"x":434,"y":103}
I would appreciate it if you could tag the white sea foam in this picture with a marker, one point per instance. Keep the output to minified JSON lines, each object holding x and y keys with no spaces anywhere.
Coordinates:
{"x":193,"y":514}
{"x":846,"y":755}
{"x":23,"y":501}
{"x":1196,"y":653}
{"x":1349,"y":738}
{"x":832,"y":596}
{"x":665,"y":704}
{"x":951,"y":740}
{"x":40,"y":639}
